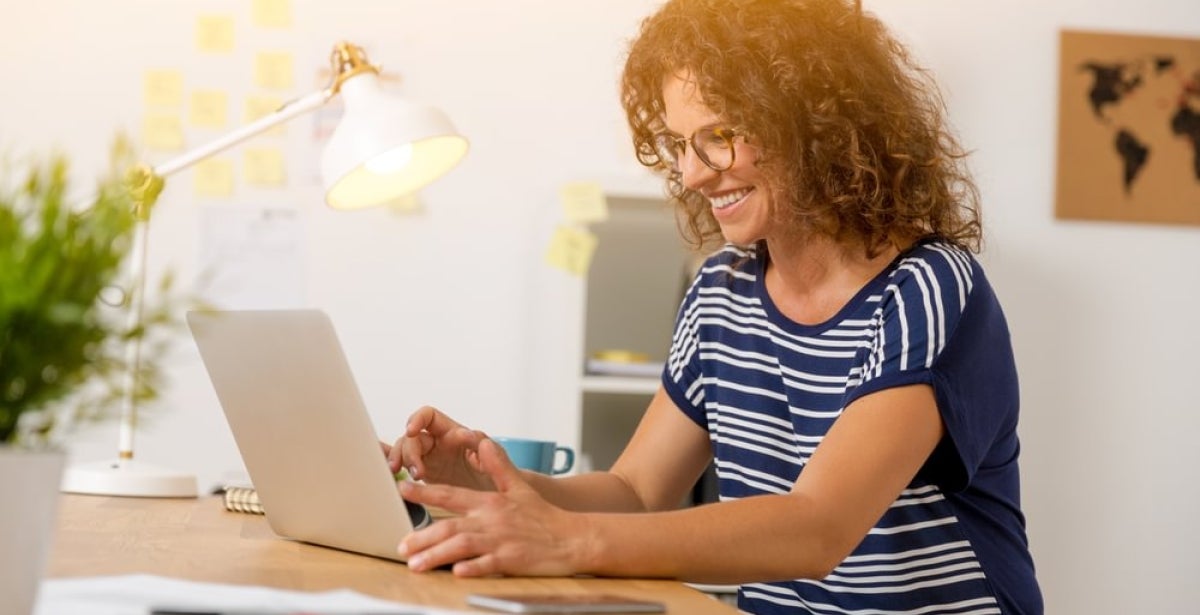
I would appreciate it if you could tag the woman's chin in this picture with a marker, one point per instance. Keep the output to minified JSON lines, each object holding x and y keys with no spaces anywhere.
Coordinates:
{"x":738,"y":237}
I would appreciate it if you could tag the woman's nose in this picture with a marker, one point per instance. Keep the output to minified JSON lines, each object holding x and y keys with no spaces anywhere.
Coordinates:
{"x":694,"y":173}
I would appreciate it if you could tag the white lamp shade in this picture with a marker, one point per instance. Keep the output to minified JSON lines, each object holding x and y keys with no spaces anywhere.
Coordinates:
{"x":385,"y":147}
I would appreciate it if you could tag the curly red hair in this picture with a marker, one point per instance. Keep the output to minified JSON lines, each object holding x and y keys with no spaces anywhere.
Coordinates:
{"x":852,"y":132}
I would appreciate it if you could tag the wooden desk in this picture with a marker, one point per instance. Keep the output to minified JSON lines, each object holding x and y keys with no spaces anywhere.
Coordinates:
{"x":198,"y":540}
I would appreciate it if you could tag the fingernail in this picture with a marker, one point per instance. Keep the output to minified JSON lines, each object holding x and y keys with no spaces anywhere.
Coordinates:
{"x":402,"y":549}
{"x":412,"y":471}
{"x":417,"y":562}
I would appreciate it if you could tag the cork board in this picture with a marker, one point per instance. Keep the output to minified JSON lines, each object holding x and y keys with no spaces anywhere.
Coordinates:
{"x":1128,"y":128}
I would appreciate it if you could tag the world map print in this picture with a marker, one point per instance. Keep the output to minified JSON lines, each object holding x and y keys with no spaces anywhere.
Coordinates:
{"x":1129,"y":128}
{"x":1113,"y":82}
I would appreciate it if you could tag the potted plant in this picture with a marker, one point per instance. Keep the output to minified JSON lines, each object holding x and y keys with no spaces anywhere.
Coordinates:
{"x":61,"y":335}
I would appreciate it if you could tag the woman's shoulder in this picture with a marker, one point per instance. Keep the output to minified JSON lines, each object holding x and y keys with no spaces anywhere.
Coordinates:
{"x":935,"y":270}
{"x":939,"y":259}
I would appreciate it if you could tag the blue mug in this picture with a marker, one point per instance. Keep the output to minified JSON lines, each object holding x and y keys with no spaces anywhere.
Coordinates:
{"x":538,"y":455}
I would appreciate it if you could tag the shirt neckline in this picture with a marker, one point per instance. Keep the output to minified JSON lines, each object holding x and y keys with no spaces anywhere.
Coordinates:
{"x":874,"y":286}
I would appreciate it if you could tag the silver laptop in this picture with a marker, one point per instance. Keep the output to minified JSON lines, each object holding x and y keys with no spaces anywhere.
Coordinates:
{"x":302,"y":429}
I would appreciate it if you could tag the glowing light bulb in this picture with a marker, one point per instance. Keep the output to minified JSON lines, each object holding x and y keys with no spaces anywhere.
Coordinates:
{"x":391,"y":161}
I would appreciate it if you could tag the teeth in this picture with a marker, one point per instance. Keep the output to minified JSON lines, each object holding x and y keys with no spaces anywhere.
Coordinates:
{"x":725,"y":200}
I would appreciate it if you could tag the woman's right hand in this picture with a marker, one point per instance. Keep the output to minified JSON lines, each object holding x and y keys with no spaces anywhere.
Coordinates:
{"x":436,"y":449}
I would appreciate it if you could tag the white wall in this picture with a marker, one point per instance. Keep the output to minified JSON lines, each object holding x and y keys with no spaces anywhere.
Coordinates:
{"x":454,"y":306}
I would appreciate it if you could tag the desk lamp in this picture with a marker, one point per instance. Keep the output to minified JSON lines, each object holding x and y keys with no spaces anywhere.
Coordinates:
{"x":383,"y":148}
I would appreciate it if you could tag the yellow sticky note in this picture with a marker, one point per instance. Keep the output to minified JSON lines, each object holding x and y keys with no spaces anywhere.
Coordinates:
{"x":583,"y":202}
{"x":163,"y":132}
{"x":407,"y":204}
{"x":258,"y":107}
{"x":571,"y":250}
{"x":273,"y":70}
{"x":272,"y":13}
{"x":163,"y":88}
{"x":214,"y":33}
{"x":209,"y":108}
{"x":264,"y":166}
{"x":213,"y":178}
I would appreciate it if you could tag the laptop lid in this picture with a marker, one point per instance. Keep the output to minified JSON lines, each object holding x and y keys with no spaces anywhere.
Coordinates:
{"x":303,"y":432}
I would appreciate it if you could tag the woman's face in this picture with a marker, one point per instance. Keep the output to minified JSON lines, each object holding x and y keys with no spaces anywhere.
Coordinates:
{"x":739,"y":196}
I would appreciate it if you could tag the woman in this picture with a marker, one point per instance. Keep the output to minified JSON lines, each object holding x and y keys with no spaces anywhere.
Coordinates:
{"x":842,"y":357}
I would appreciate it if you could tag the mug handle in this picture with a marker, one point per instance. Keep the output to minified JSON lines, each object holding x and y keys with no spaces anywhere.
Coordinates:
{"x":568,"y":460}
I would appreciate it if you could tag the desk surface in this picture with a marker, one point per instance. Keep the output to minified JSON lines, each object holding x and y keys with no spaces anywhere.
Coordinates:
{"x":199,"y":540}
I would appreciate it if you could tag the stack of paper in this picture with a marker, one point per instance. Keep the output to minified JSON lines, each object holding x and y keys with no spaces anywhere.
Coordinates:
{"x":141,"y":594}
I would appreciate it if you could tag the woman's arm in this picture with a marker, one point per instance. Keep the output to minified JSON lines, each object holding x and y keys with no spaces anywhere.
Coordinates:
{"x":658,"y":468}
{"x":868,"y":457}
{"x":661,"y":463}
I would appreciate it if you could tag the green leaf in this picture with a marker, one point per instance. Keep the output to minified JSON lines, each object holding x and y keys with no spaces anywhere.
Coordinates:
{"x":58,"y":341}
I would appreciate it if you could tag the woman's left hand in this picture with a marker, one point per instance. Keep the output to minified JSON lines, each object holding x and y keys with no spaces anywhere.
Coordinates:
{"x":510,"y":531}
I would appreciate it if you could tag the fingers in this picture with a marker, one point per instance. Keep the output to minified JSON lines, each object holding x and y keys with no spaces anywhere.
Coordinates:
{"x":448,"y":545}
{"x":457,"y":541}
{"x":406,"y":451}
{"x":430,"y":419}
{"x":449,"y":540}
{"x":393,"y":460}
{"x":484,"y":565}
{"x":428,"y":428}
{"x":495,"y":462}
{"x":457,"y":500}
{"x":511,"y":531}
{"x":412,"y":451}
{"x":426,"y":549}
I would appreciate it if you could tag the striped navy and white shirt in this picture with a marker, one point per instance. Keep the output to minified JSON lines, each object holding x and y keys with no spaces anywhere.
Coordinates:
{"x":767,"y":389}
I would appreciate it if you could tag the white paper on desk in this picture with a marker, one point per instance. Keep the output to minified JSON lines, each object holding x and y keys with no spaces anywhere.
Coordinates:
{"x":137,"y":594}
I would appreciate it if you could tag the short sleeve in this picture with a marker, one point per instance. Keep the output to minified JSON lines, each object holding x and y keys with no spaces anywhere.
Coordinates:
{"x":975,"y":384}
{"x":939,"y":323}
{"x":681,"y":375}
{"x":724,"y":282}
{"x":918,"y":312}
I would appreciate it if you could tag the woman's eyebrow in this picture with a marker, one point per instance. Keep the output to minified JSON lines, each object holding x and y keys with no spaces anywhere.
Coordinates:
{"x":709,"y":126}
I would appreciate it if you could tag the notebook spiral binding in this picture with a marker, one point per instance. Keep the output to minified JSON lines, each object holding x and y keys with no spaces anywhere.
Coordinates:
{"x":243,"y":500}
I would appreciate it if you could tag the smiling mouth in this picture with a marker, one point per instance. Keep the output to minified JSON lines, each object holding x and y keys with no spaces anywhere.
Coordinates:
{"x":729,"y":198}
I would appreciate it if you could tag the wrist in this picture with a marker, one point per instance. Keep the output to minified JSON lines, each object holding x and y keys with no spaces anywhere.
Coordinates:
{"x":591,"y":548}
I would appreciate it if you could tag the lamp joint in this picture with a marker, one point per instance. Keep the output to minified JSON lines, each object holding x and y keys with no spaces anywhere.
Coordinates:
{"x":348,"y":60}
{"x":144,"y":187}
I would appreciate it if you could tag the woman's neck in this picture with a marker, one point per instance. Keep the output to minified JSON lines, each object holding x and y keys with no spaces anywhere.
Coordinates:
{"x":810,"y":281}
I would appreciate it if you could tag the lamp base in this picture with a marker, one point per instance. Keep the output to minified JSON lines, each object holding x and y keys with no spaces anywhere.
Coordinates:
{"x":128,"y":478}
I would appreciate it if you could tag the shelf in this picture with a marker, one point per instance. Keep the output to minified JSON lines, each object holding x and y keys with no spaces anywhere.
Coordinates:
{"x":620,"y":384}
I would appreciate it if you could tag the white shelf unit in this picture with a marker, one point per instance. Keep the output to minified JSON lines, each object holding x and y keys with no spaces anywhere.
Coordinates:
{"x":631,"y":385}
{"x":637,"y":278}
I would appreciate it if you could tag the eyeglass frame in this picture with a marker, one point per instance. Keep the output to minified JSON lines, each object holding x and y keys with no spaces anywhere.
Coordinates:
{"x":726,"y":134}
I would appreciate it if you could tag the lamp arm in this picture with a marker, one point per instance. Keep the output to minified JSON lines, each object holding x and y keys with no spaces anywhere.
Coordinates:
{"x":146,"y":184}
{"x":286,"y":112}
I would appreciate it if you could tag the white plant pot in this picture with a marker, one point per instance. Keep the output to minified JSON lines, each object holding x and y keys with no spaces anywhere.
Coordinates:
{"x":29,"y":482}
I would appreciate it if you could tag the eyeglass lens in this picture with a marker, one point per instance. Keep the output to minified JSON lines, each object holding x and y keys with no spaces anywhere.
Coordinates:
{"x":714,"y":147}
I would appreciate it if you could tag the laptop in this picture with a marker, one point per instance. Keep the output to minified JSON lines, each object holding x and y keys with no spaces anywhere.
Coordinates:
{"x":303,"y":432}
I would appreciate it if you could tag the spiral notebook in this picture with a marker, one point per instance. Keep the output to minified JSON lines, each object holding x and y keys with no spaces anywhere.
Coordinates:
{"x":237,"y":498}
{"x":303,"y":432}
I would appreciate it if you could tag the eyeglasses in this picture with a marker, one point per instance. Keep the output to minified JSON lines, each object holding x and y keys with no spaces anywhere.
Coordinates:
{"x":713,"y":145}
